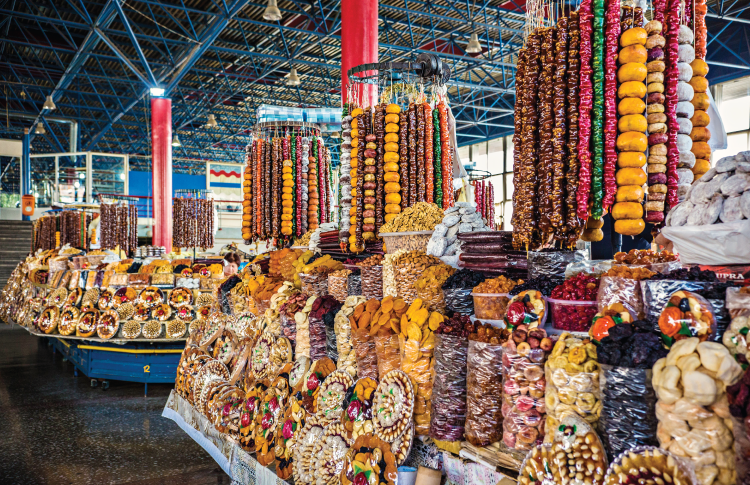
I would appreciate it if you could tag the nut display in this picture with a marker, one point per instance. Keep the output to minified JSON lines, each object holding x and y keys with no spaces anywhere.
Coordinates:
{"x":422,"y":216}
{"x":407,"y":268}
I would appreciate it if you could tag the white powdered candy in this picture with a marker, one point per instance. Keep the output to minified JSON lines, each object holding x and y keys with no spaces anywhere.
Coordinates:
{"x":732,"y":210}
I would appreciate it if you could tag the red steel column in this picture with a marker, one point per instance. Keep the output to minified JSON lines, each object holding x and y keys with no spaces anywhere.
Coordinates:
{"x":359,"y":39}
{"x":161,"y":160}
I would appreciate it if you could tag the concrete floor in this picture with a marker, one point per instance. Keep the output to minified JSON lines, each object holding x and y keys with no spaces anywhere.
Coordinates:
{"x":55,"y":429}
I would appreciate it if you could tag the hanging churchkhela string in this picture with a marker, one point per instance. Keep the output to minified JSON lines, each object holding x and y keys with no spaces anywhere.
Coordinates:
{"x":193,"y":223}
{"x":287,"y":184}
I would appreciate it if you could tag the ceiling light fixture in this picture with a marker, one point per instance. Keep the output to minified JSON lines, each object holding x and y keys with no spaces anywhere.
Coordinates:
{"x":49,"y":104}
{"x":176,"y":141}
{"x":39,"y":130}
{"x":272,"y":12}
{"x":473,"y":47}
{"x":157,"y":92}
{"x":211,"y":123}
{"x":293,"y":79}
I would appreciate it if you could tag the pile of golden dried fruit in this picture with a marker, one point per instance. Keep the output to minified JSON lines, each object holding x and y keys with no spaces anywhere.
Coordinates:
{"x":501,"y":284}
{"x":429,"y":286}
{"x":629,"y":272}
{"x":422,"y":216}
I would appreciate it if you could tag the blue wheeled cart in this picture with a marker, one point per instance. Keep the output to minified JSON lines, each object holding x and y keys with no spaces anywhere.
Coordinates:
{"x":137,"y":362}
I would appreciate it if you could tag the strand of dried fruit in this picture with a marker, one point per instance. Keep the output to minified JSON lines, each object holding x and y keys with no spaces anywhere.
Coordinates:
{"x":585,"y":104}
{"x":559,"y":152}
{"x":247,"y":193}
{"x":573,"y":223}
{"x":287,"y":188}
{"x":546,"y":123}
{"x":421,"y":184}
{"x":295,"y":200}
{"x":275,"y":186}
{"x":358,"y":116}
{"x":313,"y":208}
{"x":391,"y":177}
{"x":403,"y":136}
{"x":672,"y":23}
{"x":518,"y":114}
{"x":446,"y":157}
{"x":437,"y":158}
{"x":612,"y":34}
{"x":427,"y":140}
{"x":368,"y":227}
{"x":267,"y":190}
{"x":380,"y":171}
{"x":597,"y":119}
{"x":413,"y":161}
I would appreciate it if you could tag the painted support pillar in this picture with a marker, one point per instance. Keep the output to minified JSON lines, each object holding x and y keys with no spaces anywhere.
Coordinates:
{"x":25,"y":168}
{"x":359,"y":41}
{"x":161,"y":161}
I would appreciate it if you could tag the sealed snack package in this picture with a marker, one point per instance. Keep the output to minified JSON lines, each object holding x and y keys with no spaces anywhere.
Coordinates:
{"x":372,"y":281}
{"x":364,"y":350}
{"x":572,"y":375}
{"x":417,"y":344}
{"x":429,"y":286}
{"x":484,"y":390}
{"x":338,"y":284}
{"x":314,"y":283}
{"x":318,"y":329}
{"x":692,"y":409}
{"x":625,"y":291}
{"x":528,"y":307}
{"x":301,"y":318}
{"x":628,"y":403}
{"x":459,"y":300}
{"x":449,"y":386}
{"x":354,"y":285}
{"x":738,"y":396}
{"x":524,"y":385}
{"x":738,"y":302}
{"x":656,"y":294}
{"x":387,"y":349}
{"x":389,"y":275}
{"x":358,"y":401}
{"x":686,"y":314}
{"x":490,"y":306}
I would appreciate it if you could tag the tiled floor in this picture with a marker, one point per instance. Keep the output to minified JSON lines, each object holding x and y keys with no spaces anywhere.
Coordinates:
{"x":55,"y":429}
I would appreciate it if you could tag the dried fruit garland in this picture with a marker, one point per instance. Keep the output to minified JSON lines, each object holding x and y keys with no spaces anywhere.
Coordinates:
{"x":559,"y":131}
{"x":598,"y":116}
{"x":193,"y":223}
{"x":287,"y":189}
{"x":546,"y":122}
{"x":672,"y":24}
{"x":119,"y":227}
{"x":612,"y":34}
{"x":428,"y":153}
{"x":573,"y":222}
{"x":446,"y":155}
{"x":44,"y":235}
{"x":247,"y":192}
{"x":437,"y":158}
{"x":585,"y":104}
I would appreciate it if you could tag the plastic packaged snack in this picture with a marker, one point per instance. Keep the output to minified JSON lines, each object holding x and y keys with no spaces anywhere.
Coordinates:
{"x":686,"y":314}
{"x":570,"y":315}
{"x":408,"y":268}
{"x":738,"y":302}
{"x":417,"y":343}
{"x":692,"y":409}
{"x":628,"y":403}
{"x":314,"y":283}
{"x":338,"y":284}
{"x":302,"y":341}
{"x":739,"y":403}
{"x":529,"y":307}
{"x":372,"y":281}
{"x":656,"y":294}
{"x":459,"y":300}
{"x":621,"y":290}
{"x":377,"y":456}
{"x":387,"y":349}
{"x":354,"y":285}
{"x":429,"y":286}
{"x":364,"y":350}
{"x":329,"y":452}
{"x":393,"y":406}
{"x":342,"y":326}
{"x":449,"y":387}
{"x":323,"y":309}
{"x":484,"y":384}
{"x":490,"y":306}
{"x":330,"y":401}
{"x":572,"y":375}
{"x":389,"y":274}
{"x":524,"y":384}
{"x":552,"y":263}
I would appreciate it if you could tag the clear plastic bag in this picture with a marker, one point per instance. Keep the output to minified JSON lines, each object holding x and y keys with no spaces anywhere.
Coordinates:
{"x":288,"y":327}
{"x":338,"y":287}
{"x":737,"y":303}
{"x":314,"y":284}
{"x":343,"y":328}
{"x":572,"y":375}
{"x":389,"y":275}
{"x":449,"y":388}
{"x":372,"y":282}
{"x":417,"y":363}
{"x":679,"y":319}
{"x":459,"y":300}
{"x":523,"y":395}
{"x":354,"y":285}
{"x":628,"y":402}
{"x":320,"y":319}
{"x":621,"y":290}
{"x":656,"y":293}
{"x":364,"y":350}
{"x":552,"y":263}
{"x":331,"y":337}
{"x":589,"y":266}
{"x":389,"y":357}
{"x":484,"y":389}
{"x":433,"y":297}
